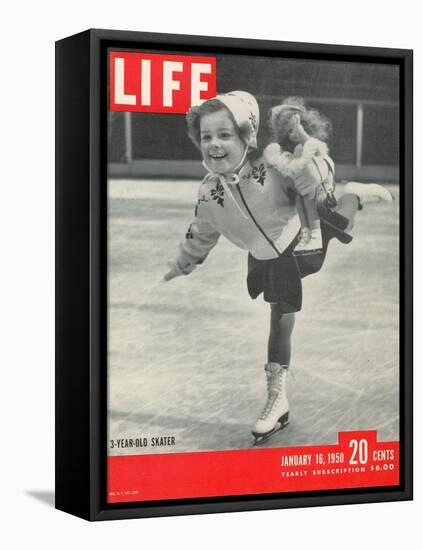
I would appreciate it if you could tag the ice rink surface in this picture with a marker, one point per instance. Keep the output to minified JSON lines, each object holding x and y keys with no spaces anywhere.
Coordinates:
{"x":186,"y":357}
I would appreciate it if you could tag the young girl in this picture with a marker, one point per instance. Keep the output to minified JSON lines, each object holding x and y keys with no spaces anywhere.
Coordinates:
{"x":246,"y":199}
{"x":300,"y":136}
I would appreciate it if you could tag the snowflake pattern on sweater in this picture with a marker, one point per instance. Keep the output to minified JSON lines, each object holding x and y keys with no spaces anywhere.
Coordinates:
{"x":257,"y":173}
{"x":218,"y":194}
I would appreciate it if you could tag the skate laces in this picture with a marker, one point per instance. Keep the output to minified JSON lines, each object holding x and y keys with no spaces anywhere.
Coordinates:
{"x":275,"y":382}
{"x":269,"y":405}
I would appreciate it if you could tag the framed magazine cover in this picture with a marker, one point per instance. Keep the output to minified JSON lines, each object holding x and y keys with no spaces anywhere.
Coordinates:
{"x":233,"y":274}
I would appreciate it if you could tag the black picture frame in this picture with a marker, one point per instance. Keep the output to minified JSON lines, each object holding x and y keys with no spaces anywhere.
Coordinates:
{"x":81,"y":274}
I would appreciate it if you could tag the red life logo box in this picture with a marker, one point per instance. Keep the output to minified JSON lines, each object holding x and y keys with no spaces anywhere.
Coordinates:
{"x":159,"y":83}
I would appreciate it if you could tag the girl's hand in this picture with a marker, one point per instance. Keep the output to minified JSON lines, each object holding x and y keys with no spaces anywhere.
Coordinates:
{"x":296,"y":133}
{"x":176,"y":270}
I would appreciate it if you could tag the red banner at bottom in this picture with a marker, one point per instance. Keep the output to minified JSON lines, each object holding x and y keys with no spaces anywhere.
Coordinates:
{"x":358,"y":460}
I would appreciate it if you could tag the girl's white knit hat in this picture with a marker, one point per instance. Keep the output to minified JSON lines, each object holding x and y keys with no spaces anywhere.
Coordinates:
{"x":245,"y":110}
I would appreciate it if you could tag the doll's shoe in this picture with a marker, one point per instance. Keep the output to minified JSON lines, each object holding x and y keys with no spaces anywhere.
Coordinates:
{"x":368,"y":192}
{"x":314,"y":244}
{"x":303,"y":238}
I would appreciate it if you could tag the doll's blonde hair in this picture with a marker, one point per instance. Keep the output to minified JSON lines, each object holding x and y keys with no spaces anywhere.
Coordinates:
{"x":314,"y":123}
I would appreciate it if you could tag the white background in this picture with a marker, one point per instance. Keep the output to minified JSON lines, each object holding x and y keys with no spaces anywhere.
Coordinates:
{"x":28,"y":32}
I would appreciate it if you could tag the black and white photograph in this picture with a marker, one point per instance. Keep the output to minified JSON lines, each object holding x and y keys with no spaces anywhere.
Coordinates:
{"x":253,"y":261}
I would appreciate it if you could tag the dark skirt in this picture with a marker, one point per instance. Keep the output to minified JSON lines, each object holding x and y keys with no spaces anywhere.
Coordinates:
{"x":280,"y":279}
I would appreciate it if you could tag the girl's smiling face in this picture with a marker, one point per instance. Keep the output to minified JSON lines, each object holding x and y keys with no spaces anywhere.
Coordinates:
{"x":221,"y":146}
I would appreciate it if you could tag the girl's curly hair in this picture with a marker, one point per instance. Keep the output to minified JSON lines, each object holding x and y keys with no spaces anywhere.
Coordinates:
{"x":195,"y":114}
{"x":314,"y":123}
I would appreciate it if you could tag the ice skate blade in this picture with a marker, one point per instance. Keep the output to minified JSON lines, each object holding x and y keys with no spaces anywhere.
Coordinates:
{"x":280,"y":425}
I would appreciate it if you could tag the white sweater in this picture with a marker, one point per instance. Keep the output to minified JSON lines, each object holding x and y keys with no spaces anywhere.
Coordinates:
{"x":258,"y":215}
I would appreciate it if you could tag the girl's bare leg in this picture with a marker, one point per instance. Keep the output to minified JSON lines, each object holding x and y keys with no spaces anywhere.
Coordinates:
{"x":279,"y":344}
{"x":275,"y":414}
{"x":348,"y":205}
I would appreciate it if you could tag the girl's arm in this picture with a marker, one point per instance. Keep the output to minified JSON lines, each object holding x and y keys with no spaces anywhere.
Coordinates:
{"x":200,"y":238}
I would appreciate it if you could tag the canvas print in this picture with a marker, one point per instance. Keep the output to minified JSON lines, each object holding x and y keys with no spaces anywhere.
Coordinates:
{"x":253,"y":275}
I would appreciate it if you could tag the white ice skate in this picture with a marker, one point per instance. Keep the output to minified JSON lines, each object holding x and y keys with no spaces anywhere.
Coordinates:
{"x":276,"y":411}
{"x":368,"y":192}
{"x":313,"y":245}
